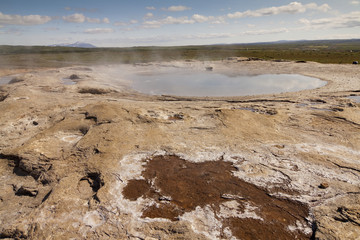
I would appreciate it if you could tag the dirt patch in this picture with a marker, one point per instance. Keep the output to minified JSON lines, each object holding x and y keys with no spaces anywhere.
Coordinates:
{"x":94,"y":91}
{"x":3,"y":96}
{"x":178,"y":186}
{"x":16,"y":80}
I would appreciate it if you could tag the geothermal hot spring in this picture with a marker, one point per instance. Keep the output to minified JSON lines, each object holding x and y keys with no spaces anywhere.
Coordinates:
{"x":180,"y":81}
{"x":195,"y":81}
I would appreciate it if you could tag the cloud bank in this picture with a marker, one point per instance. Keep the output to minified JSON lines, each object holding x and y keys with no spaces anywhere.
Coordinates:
{"x":98,"y":30}
{"x":292,"y":8}
{"x":176,"y":8}
{"x":80,"y":18}
{"x":349,"y":20}
{"x":23,"y":20}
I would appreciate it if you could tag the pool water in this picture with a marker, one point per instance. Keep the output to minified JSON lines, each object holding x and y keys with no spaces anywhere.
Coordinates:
{"x":205,"y":83}
{"x":5,"y":80}
{"x":355,"y":98}
{"x":68,"y":81}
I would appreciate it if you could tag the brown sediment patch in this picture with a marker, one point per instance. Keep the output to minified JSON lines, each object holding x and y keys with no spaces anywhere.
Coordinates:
{"x":3,"y":96}
{"x":178,"y":186}
{"x":94,"y":90}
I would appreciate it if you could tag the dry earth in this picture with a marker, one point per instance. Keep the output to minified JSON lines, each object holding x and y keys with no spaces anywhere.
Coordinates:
{"x":96,"y":160}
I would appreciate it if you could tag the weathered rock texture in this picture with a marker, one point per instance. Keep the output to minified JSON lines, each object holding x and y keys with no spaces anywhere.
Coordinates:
{"x":97,"y":160}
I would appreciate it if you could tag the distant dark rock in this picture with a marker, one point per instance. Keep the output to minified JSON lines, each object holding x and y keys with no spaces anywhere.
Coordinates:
{"x":94,"y":90}
{"x":74,"y":76}
{"x":255,"y":59}
{"x":209,"y":68}
{"x":323,"y":185}
{"x":355,"y":62}
{"x":26,"y":191}
{"x":16,"y":80}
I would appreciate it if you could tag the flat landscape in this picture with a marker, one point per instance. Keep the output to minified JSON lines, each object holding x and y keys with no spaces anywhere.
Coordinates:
{"x":322,"y":51}
{"x":83,"y":155}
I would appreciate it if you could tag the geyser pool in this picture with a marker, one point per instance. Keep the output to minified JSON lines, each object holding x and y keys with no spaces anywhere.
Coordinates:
{"x":185,"y":81}
{"x":5,"y":79}
{"x":182,"y":82}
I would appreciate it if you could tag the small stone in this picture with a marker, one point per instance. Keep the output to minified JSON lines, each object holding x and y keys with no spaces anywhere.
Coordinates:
{"x":323,"y":185}
{"x":35,"y":123}
{"x":25,"y":191}
{"x":279,"y":146}
{"x":165,"y":198}
{"x":230,"y":196}
{"x":176,"y":117}
{"x":74,"y":76}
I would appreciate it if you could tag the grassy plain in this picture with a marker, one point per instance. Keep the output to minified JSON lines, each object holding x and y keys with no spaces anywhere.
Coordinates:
{"x":323,"y":51}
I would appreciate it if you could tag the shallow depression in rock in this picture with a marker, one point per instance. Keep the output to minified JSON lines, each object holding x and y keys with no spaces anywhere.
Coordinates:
{"x":190,"y":82}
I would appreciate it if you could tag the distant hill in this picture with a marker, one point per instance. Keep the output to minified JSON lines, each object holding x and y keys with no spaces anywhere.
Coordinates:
{"x":77,"y":44}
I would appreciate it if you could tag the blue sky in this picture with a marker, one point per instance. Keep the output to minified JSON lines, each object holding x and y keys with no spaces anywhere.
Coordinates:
{"x":117,"y":23}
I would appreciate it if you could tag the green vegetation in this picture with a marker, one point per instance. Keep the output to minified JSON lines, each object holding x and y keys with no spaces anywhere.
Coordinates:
{"x":324,"y":51}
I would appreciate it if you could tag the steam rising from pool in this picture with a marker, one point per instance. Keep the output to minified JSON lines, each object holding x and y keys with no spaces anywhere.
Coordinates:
{"x":187,"y":80}
{"x":195,"y":82}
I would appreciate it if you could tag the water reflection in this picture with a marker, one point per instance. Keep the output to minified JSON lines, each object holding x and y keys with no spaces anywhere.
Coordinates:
{"x":5,"y":80}
{"x":355,"y":98}
{"x":196,"y":83}
{"x":68,"y":81}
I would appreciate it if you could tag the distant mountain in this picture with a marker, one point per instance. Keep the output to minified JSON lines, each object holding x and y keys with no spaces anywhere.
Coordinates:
{"x":77,"y":44}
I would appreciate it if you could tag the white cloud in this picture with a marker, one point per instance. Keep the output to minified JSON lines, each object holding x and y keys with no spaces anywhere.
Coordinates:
{"x":93,"y":20}
{"x":196,"y":18}
{"x":349,"y":20}
{"x":148,"y":15}
{"x":23,"y":20}
{"x":214,"y":20}
{"x":126,"y":23}
{"x":106,"y":20}
{"x":179,"y":20}
{"x":292,"y":8}
{"x":75,"y":18}
{"x":200,"y":18}
{"x":176,"y":8}
{"x":150,"y":8}
{"x":168,"y":20}
{"x":355,"y":3}
{"x":218,"y":20}
{"x":98,"y":30}
{"x":210,"y":36}
{"x":265,"y":31}
{"x":80,"y":18}
{"x":97,"y":20}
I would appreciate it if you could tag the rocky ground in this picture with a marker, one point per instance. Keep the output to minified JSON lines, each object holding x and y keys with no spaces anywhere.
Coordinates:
{"x":97,"y":160}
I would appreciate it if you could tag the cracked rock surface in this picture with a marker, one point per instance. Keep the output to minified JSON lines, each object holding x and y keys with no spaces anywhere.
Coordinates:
{"x":98,"y":160}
